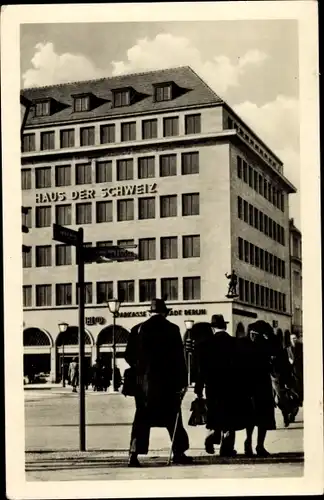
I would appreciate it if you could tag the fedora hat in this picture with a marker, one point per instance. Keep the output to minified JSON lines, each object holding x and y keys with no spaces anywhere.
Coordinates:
{"x":217,"y":320}
{"x":158,"y":306}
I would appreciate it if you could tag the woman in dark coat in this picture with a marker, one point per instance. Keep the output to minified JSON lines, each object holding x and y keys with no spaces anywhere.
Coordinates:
{"x":256,"y":350}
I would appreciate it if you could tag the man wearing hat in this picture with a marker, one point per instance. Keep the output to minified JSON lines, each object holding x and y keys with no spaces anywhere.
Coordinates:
{"x":155,"y":352}
{"x":216,"y":357}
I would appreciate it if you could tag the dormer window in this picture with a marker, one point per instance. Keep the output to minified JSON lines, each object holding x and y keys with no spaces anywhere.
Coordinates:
{"x":163,"y":92}
{"x":81,"y":103}
{"x":122,"y":97}
{"x":43,"y":108}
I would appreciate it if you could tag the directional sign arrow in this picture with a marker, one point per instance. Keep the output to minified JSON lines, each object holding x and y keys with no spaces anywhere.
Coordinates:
{"x":65,"y":235}
{"x":114,"y":253}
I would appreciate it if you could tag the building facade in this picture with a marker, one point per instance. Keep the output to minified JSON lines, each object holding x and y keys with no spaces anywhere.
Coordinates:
{"x":296,"y":278}
{"x":157,"y":160}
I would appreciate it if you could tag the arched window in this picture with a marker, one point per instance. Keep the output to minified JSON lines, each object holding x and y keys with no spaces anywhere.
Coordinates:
{"x":71,"y":337}
{"x":240,"y":331}
{"x":105,"y":337}
{"x":36,"y":337}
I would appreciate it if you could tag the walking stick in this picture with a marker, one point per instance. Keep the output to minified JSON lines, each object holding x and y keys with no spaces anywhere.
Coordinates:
{"x":175,"y":429}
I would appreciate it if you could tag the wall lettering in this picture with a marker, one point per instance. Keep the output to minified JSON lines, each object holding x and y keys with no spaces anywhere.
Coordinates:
{"x":92,"y":320}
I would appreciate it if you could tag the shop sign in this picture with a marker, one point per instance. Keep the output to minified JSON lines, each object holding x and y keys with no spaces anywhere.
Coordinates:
{"x":104,"y":192}
{"x":174,"y":312}
{"x":95,"y":320}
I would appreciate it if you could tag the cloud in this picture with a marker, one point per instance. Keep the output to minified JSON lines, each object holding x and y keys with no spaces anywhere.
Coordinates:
{"x":50,"y":68}
{"x":167,"y":50}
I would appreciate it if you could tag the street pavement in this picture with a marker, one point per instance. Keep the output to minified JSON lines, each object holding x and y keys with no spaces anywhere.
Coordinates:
{"x":52,"y":439}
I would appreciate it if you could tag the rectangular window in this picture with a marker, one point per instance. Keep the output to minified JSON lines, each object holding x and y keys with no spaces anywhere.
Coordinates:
{"x":276,"y":300}
{"x":146,"y":208}
{"x":87,"y":293}
{"x":257,"y":256}
{"x":271,"y":301}
{"x":271,"y":263}
{"x":64,"y":294}
{"x":43,"y":177}
{"x":256,"y":218}
{"x":107,"y":133}
{"x":261,"y":221}
{"x":43,"y":216}
{"x":266,"y":261}
{"x":63,"y":255}
{"x":125,"y":243}
{"x":125,"y":170}
{"x":43,"y":256}
{"x":245,"y":171}
{"x":262,"y":259}
{"x":27,"y":217}
{"x":28,"y":143}
{"x":146,"y":167}
{"x":147,"y":290}
{"x":274,"y":229}
{"x":103,"y":171}
{"x":256,"y":181}
{"x":104,"y":211}
{"x":275,"y":197}
{"x":125,"y":210}
{"x":170,"y":126}
{"x":240,"y":248}
{"x":265,"y":188}
{"x":62,"y":175}
{"x":191,"y":288}
{"x":149,"y":129}
{"x":250,"y":176}
{"x":246,"y":291}
{"x":275,"y":265}
{"x":250,"y":215}
{"x":282,"y":202}
{"x":67,"y":138}
{"x":81,"y":103}
{"x":63,"y":215}
{"x":239,"y":207}
{"x":83,"y":173}
{"x":83,"y":213}
{"x":252,"y":293}
{"x":146,"y":249}
{"x":257,"y":295}
{"x":121,"y":98}
{"x":190,"y":163}
{"x":128,"y":131}
{"x":261,"y":184}
{"x":47,"y":140}
{"x":252,"y":247}
{"x":284,"y":302}
{"x":168,"y":206}
{"x":283,"y":269}
{"x":239,"y":167}
{"x":126,"y":291}
{"x":282,"y":236}
{"x":26,"y":178}
{"x":87,"y":136}
{"x":190,"y":204}
{"x":169,"y":247}
{"x":266,"y":224}
{"x":246,"y":251}
{"x":27,"y":258}
{"x":43,"y":295}
{"x":270,"y":227}
{"x":104,"y":291}
{"x":42,"y":108}
{"x":192,"y":124}
{"x":27,"y":296}
{"x":168,"y":165}
{"x":163,"y":93}
{"x":262,"y":293}
{"x":245,"y":211}
{"x":241,"y":289}
{"x":169,"y":288}
{"x":190,"y":246}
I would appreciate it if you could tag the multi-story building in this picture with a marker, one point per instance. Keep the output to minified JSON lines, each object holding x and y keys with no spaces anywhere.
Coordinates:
{"x":158,"y":160}
{"x":296,"y":278}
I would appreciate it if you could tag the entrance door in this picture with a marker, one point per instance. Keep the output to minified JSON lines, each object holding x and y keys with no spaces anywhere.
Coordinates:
{"x":36,"y":364}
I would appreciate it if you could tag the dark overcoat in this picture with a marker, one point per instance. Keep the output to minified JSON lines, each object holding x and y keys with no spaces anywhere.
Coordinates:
{"x":155,"y":351}
{"x":228,"y":406}
{"x":256,"y":368}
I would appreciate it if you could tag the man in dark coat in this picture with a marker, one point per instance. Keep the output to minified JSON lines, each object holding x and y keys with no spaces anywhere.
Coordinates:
{"x":226,"y":408}
{"x":295,"y":353}
{"x":155,"y":351}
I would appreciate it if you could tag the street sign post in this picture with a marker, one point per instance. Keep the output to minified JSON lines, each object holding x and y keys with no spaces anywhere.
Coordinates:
{"x":65,"y":235}
{"x":113,"y":253}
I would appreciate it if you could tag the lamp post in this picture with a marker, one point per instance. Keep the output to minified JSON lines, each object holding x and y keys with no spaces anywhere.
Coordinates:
{"x":62,"y":328}
{"x":113,"y":306}
{"x":189,"y":324}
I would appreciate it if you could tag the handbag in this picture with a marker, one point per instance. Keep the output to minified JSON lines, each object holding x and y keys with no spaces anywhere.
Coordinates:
{"x":129,"y":385}
{"x":198,"y":412}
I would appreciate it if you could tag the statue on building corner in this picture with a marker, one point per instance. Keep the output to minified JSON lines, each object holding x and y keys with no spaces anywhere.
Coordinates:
{"x":232,"y":286}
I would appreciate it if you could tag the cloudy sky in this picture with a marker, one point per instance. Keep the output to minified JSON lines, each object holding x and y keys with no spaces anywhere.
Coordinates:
{"x":253,"y":65}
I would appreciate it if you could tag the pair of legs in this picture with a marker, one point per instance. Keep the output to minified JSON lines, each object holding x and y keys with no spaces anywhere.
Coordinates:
{"x":226,"y":439}
{"x":260,"y":449}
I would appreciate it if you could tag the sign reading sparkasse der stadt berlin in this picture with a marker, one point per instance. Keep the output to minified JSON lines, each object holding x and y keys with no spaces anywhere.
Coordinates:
{"x":92,"y":193}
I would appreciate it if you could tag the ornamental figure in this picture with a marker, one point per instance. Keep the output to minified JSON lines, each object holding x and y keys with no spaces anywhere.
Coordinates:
{"x":232,"y":286}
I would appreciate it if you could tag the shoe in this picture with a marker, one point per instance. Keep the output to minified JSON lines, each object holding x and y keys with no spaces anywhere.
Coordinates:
{"x":209,"y":445}
{"x":228,"y":453}
{"x":248,"y":452}
{"x":286,"y":420}
{"x":182,"y":459}
{"x":262,"y":452}
{"x":133,"y":461}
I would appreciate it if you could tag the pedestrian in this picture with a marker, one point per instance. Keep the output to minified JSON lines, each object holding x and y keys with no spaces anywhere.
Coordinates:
{"x":117,"y":379}
{"x":227,"y":408}
{"x":256,"y":351}
{"x":74,"y":374}
{"x":97,"y":375}
{"x":155,"y":353}
{"x":296,"y":358}
{"x":105,"y":377}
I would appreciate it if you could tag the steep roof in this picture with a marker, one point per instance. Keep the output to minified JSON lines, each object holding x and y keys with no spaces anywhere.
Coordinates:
{"x":191,"y":91}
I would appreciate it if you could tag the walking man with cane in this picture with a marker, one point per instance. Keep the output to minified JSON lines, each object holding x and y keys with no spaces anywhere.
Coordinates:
{"x":155,"y":353}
